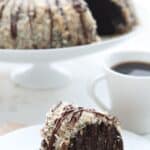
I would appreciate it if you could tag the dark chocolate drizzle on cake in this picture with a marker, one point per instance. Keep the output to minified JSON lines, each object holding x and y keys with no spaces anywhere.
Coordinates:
{"x":58,"y":123}
{"x":3,"y":7}
{"x":76,"y":114}
{"x":60,"y":8}
{"x":14,"y":20}
{"x":78,"y":6}
{"x":32,"y":15}
{"x":57,"y":106}
{"x":1,"y":11}
{"x":62,"y":14}
{"x":51,"y":22}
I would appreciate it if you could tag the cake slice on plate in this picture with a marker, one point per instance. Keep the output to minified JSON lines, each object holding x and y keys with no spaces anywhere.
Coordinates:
{"x":69,"y":127}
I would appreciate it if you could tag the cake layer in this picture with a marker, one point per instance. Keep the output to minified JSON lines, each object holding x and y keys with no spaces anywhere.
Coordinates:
{"x":69,"y":127}
{"x":45,"y":24}
{"x":113,"y":16}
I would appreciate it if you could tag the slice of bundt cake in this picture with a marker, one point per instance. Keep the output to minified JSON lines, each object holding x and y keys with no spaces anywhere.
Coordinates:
{"x":70,"y":127}
{"x":45,"y":23}
{"x":113,"y":16}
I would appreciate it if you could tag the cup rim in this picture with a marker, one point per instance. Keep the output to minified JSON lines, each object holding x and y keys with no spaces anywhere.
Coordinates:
{"x":109,"y":69}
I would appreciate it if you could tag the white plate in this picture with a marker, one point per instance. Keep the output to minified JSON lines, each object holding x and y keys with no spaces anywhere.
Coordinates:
{"x":29,"y":139}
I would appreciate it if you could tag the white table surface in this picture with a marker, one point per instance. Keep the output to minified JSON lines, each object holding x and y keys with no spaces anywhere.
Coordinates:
{"x":28,"y":106}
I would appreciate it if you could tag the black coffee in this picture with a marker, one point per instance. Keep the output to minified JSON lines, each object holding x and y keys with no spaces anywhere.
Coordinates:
{"x":133,"y":68}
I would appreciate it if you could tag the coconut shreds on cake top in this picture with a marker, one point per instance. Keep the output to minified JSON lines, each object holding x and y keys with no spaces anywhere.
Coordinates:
{"x":45,"y":24}
{"x":68,"y":127}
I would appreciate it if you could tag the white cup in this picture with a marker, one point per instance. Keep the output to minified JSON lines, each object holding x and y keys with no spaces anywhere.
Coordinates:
{"x":129,"y":95}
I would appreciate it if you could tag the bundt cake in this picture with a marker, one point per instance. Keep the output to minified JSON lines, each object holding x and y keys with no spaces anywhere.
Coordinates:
{"x":41,"y":24}
{"x":45,"y":24}
{"x":113,"y":16}
{"x":70,"y":127}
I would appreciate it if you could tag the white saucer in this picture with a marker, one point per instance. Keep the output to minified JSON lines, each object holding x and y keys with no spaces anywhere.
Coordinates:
{"x":29,"y":139}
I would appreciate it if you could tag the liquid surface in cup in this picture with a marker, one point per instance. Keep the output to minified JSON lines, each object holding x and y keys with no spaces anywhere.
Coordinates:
{"x":133,"y":68}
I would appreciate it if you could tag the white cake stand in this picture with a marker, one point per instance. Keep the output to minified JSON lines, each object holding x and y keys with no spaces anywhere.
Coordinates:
{"x":41,"y":74}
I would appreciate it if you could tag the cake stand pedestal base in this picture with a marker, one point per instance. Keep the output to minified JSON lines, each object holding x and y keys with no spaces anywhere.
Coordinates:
{"x":41,"y":76}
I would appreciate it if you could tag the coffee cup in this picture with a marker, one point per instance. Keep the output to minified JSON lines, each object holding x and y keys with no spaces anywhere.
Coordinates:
{"x":129,"y":92}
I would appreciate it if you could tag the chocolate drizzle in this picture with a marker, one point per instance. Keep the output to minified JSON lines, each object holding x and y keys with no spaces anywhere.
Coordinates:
{"x":57,"y":106}
{"x":76,"y":116}
{"x":14,"y":20}
{"x":1,"y":11}
{"x":51,"y":22}
{"x":60,"y":8}
{"x":3,"y":7}
{"x":75,"y":113}
{"x":80,"y":8}
{"x":32,"y":15}
{"x":58,"y":123}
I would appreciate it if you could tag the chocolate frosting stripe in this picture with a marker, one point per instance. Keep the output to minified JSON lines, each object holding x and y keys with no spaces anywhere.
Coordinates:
{"x":51,"y":24}
{"x":62,"y":13}
{"x":57,"y":126}
{"x":14,"y":19}
{"x":59,"y":5}
{"x":57,"y":106}
{"x":32,"y":15}
{"x":4,"y":4}
{"x":80,"y":9}
{"x":76,"y":116}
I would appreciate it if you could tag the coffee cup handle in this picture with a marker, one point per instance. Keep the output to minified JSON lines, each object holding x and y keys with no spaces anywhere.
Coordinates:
{"x":96,"y":99}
